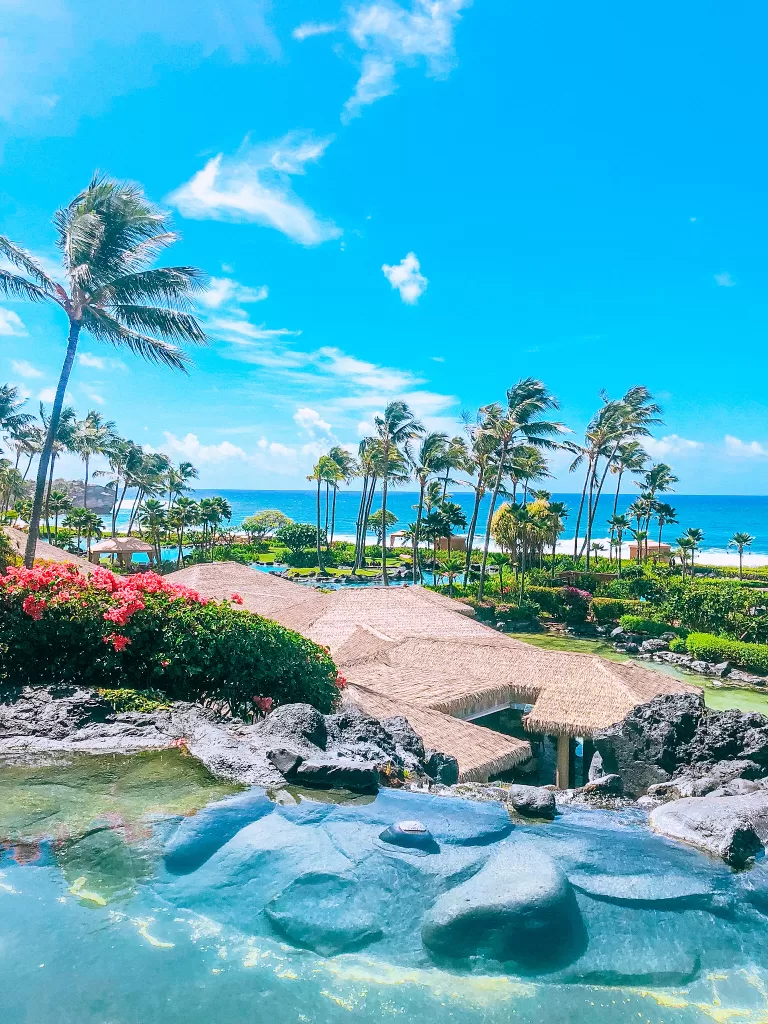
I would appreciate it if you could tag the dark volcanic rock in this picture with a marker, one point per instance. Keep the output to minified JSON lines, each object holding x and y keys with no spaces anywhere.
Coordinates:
{"x":286,"y":761}
{"x":605,"y":785}
{"x":406,"y":740}
{"x":532,"y":801}
{"x":520,"y":908}
{"x":357,"y":776}
{"x":443,"y":768}
{"x":676,"y":735}
{"x":302,"y":722}
{"x":51,"y":712}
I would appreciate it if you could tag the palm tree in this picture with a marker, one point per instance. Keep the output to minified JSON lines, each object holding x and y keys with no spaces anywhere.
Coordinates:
{"x":184,"y":513}
{"x":58,"y":503}
{"x":520,"y":422}
{"x":426,"y":461}
{"x":619,"y":525}
{"x":12,"y":419}
{"x":455,"y":456}
{"x":319,"y":474}
{"x":557,"y":513}
{"x":454,"y":518}
{"x":11,"y":485}
{"x":630,"y":457}
{"x":501,"y":561}
{"x":695,"y":536}
{"x":109,"y":236}
{"x":640,"y":537}
{"x":684,"y":545}
{"x":741,"y":541}
{"x":347,"y":470}
{"x":148,"y":477}
{"x":657,"y":480}
{"x":395,"y":428}
{"x":528,"y":465}
{"x":62,"y":442}
{"x":665,"y":515}
{"x":452,"y":567}
{"x":92,"y":436}
{"x":152,"y":518}
{"x":368,"y":471}
{"x":76,"y":521}
{"x":596,"y":547}
{"x":178,"y":480}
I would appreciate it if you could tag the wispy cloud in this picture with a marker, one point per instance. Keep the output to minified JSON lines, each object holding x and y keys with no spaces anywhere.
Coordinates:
{"x":99,"y":362}
{"x":11,"y":325}
{"x":392,"y":35}
{"x":406,"y":277}
{"x":672,"y":444}
{"x":235,"y":330}
{"x":313,"y":28}
{"x":47,"y":394}
{"x":254,"y":186}
{"x":725,"y":280}
{"x":25,"y":369}
{"x":222,"y":291}
{"x":311,"y":421}
{"x":739,"y":449}
{"x":191,"y":448}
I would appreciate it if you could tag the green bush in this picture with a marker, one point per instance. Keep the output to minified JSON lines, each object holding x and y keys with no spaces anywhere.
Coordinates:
{"x":550,"y":600}
{"x":611,"y":609}
{"x":707,"y":647}
{"x":638,"y":624}
{"x":144,"y":701}
{"x":678,"y":645}
{"x":706,"y":606}
{"x":59,"y":628}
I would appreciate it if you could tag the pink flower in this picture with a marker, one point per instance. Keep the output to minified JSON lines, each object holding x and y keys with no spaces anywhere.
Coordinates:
{"x":236,"y":599}
{"x":341,"y":682}
{"x":264,"y":704}
{"x":118,"y":641}
{"x":33,"y":606}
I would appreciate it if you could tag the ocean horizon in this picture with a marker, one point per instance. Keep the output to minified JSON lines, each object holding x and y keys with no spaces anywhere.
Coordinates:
{"x":718,"y":516}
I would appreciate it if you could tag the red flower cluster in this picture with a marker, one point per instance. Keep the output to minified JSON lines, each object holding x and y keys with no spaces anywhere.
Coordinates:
{"x":236,"y":599}
{"x":33,"y":606}
{"x":341,"y":681}
{"x":264,"y":704}
{"x":118,"y":641}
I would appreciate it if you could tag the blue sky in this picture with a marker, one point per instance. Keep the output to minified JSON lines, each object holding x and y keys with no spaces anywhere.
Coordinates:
{"x":415,"y":199}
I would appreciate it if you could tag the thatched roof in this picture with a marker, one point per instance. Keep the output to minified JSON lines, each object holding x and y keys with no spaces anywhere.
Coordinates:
{"x":480,"y":752}
{"x":261,"y":593}
{"x":425,"y":652}
{"x":44,"y":551}
{"x":122,"y":545}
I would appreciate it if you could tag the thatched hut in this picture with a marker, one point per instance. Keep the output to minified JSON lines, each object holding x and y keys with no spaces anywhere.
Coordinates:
{"x":44,"y":552}
{"x":413,"y":652}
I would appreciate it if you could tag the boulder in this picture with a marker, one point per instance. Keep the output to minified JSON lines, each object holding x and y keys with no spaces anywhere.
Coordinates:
{"x":342,"y":773}
{"x":736,"y":675}
{"x":519,"y":909}
{"x":443,"y":768}
{"x":326,"y":913}
{"x":301,"y":722}
{"x":406,"y":739}
{"x":532,"y":801}
{"x":654,"y":646}
{"x":286,"y":761}
{"x":734,"y":828}
{"x":617,"y":634}
{"x":605,"y":785}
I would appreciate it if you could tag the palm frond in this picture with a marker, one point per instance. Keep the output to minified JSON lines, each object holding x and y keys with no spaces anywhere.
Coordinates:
{"x":104,"y":327}
{"x":168,"y":323}
{"x":25,"y":261}
{"x":17,"y":287}
{"x":163,"y":286}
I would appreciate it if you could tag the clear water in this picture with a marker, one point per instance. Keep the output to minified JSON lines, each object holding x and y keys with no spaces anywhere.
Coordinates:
{"x":133,"y":892}
{"x":718,"y":515}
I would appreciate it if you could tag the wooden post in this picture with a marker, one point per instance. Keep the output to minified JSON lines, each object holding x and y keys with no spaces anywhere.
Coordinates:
{"x":563,"y":752}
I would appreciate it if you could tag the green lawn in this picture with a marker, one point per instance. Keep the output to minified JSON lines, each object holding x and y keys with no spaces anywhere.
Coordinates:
{"x":716,"y":697}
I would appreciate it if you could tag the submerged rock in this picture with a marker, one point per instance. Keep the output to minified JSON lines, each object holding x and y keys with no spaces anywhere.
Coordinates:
{"x":533,"y":801}
{"x":734,"y":828}
{"x":519,"y":909}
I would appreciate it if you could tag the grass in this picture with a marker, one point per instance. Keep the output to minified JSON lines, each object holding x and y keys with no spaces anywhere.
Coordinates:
{"x":719,"y":698}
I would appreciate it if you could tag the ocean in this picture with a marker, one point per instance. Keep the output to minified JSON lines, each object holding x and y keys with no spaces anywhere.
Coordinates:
{"x":717,"y":516}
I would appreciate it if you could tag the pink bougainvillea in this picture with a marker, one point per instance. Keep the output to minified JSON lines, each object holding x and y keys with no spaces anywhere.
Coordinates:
{"x":118,"y":641}
{"x":236,"y":599}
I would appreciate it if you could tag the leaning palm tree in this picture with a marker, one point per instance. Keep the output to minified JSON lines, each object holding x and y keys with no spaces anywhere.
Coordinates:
{"x":178,"y":480}
{"x":619,"y":526}
{"x":665,"y":516}
{"x":109,"y":236}
{"x":93,"y":436}
{"x":347,"y":470}
{"x":12,"y":419}
{"x":426,"y":461}
{"x":741,"y":541}
{"x":395,"y":428}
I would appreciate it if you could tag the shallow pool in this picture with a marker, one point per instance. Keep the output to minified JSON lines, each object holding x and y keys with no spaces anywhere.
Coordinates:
{"x":140,"y":890}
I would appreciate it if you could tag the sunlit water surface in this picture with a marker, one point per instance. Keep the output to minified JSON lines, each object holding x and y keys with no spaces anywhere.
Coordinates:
{"x":132,"y":891}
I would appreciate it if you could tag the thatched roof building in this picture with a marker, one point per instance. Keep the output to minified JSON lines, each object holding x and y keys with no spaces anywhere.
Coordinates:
{"x":44,"y":551}
{"x":411,"y":651}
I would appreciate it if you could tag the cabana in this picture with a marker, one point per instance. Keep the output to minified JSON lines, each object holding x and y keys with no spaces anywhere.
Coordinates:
{"x":124,"y":547}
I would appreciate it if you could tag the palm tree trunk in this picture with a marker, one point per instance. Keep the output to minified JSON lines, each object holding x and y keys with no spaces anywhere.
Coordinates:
{"x":85,"y":485}
{"x":319,"y":551}
{"x":118,"y":506}
{"x":620,"y":536}
{"x":578,"y":517}
{"x":494,"y":496}
{"x":472,"y":528}
{"x":326,"y":515}
{"x":180,"y":539}
{"x":384,"y":482}
{"x":741,"y":558}
{"x":29,"y":466}
{"x":49,"y":487}
{"x":367,"y":515}
{"x":50,"y":437}
{"x":333,"y":513}
{"x":417,"y":535}
{"x":359,"y":524}
{"x":590,"y":515}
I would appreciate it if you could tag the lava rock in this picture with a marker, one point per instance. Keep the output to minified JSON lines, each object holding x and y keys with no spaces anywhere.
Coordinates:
{"x":286,"y":761}
{"x":406,"y":739}
{"x":605,"y":785}
{"x":326,"y":913}
{"x":734,"y":828}
{"x":301,"y":721}
{"x":443,"y":768}
{"x":532,"y":801}
{"x":356,"y":775}
{"x":737,"y":676}
{"x":410,"y":835}
{"x":654,"y":646}
{"x":617,"y":634}
{"x":518,"y":909}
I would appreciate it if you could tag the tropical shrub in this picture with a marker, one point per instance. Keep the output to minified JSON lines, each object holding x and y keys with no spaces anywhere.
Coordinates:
{"x":577,"y":605}
{"x":58,"y":627}
{"x":611,"y":609}
{"x":639,"y":624}
{"x":265,"y":524}
{"x":550,"y":600}
{"x":296,"y":536}
{"x":707,"y":647}
{"x":711,"y":606}
{"x":678,"y":645}
{"x":8,"y":555}
{"x":145,"y":701}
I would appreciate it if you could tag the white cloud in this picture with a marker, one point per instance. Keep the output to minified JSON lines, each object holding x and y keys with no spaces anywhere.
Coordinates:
{"x":744,"y":449}
{"x":391,"y":35}
{"x":725,"y":280}
{"x":360,"y":372}
{"x":94,"y":362}
{"x":25,"y":369}
{"x":406,"y":277}
{"x":254,"y":186}
{"x":437,"y":359}
{"x":245,"y":329}
{"x":309,"y":29}
{"x":92,"y":395}
{"x":11,"y":325}
{"x":223,"y":290}
{"x":280,"y":449}
{"x":672,"y":444}
{"x":311,"y":421}
{"x":47,"y":394}
{"x":191,"y":448}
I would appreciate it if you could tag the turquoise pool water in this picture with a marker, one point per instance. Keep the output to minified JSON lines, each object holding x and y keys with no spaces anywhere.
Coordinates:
{"x":140,"y":890}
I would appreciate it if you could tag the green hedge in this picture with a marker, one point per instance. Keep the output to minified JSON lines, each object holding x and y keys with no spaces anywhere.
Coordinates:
{"x":141,"y":632}
{"x":638,"y":624}
{"x":550,"y":600}
{"x":611,"y":609}
{"x":707,"y":647}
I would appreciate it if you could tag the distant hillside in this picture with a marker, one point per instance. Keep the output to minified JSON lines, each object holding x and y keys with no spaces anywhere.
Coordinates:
{"x":99,"y":498}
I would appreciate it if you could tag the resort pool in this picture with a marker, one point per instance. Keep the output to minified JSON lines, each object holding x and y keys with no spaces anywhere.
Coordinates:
{"x":140,"y":890}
